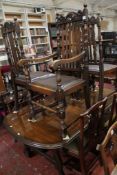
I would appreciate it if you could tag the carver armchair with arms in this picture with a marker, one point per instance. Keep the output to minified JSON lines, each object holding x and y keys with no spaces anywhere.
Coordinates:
{"x":55,"y":84}
{"x":77,"y":33}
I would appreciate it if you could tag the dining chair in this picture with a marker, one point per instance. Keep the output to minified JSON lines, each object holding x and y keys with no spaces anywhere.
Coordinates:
{"x":89,"y":138}
{"x":108,"y":150}
{"x":80,"y":31}
{"x":56,"y":85}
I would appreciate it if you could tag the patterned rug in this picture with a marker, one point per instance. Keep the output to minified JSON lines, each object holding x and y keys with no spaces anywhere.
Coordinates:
{"x":13,"y":161}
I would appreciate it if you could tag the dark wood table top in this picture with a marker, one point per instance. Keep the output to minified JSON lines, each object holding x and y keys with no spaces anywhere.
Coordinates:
{"x":108,"y":68}
{"x":45,"y":133}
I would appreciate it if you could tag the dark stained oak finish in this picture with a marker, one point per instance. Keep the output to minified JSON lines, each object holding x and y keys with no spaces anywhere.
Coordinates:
{"x":46,"y":132}
{"x":48,"y":85}
{"x":2,"y":86}
{"x":45,"y":83}
{"x":109,"y":69}
{"x":109,"y":145}
{"x":77,"y":31}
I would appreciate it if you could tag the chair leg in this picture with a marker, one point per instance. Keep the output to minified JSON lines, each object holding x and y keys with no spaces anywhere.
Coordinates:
{"x":92,"y":82}
{"x":14,"y":86}
{"x":59,"y":164}
{"x":16,"y":98}
{"x":28,"y":151}
{"x":31,"y":108}
{"x":87,"y":96}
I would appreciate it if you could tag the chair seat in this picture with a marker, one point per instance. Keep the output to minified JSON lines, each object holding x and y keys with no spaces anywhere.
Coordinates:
{"x":35,"y":76}
{"x":47,"y":81}
{"x":114,"y":172}
{"x":107,"y":68}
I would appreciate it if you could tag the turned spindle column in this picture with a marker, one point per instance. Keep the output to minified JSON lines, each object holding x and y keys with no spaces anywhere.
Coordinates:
{"x":101,"y":61}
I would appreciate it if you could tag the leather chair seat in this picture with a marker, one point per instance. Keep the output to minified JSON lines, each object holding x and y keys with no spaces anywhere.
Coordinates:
{"x":41,"y":80}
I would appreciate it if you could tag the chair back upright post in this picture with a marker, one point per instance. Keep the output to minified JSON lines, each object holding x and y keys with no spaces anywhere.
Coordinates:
{"x":95,"y":115}
{"x":85,"y":31}
{"x":101,"y":61}
{"x":113,"y":111}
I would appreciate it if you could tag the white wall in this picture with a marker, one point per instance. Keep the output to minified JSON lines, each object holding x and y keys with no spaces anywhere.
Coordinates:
{"x":115,"y":24}
{"x":34,"y":2}
{"x":107,"y":14}
{"x":74,"y":5}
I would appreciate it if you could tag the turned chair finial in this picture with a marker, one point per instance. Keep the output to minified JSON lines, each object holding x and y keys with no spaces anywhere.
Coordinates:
{"x":85,"y":11}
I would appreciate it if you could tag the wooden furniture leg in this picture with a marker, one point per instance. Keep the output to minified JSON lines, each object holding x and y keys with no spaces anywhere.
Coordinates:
{"x":59,"y":162}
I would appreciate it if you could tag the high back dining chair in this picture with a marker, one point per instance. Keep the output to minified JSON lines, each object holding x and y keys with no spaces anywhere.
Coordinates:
{"x":70,"y":42}
{"x":51,"y":84}
{"x":77,"y":33}
{"x":108,"y":148}
{"x":97,"y":67}
{"x":89,"y":136}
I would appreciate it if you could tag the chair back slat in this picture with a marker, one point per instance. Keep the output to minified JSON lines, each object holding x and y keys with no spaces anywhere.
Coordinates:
{"x":70,"y":34}
{"x":78,"y":32}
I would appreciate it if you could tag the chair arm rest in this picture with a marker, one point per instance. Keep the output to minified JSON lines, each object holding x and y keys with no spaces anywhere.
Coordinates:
{"x":57,"y":63}
{"x":23,"y":62}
